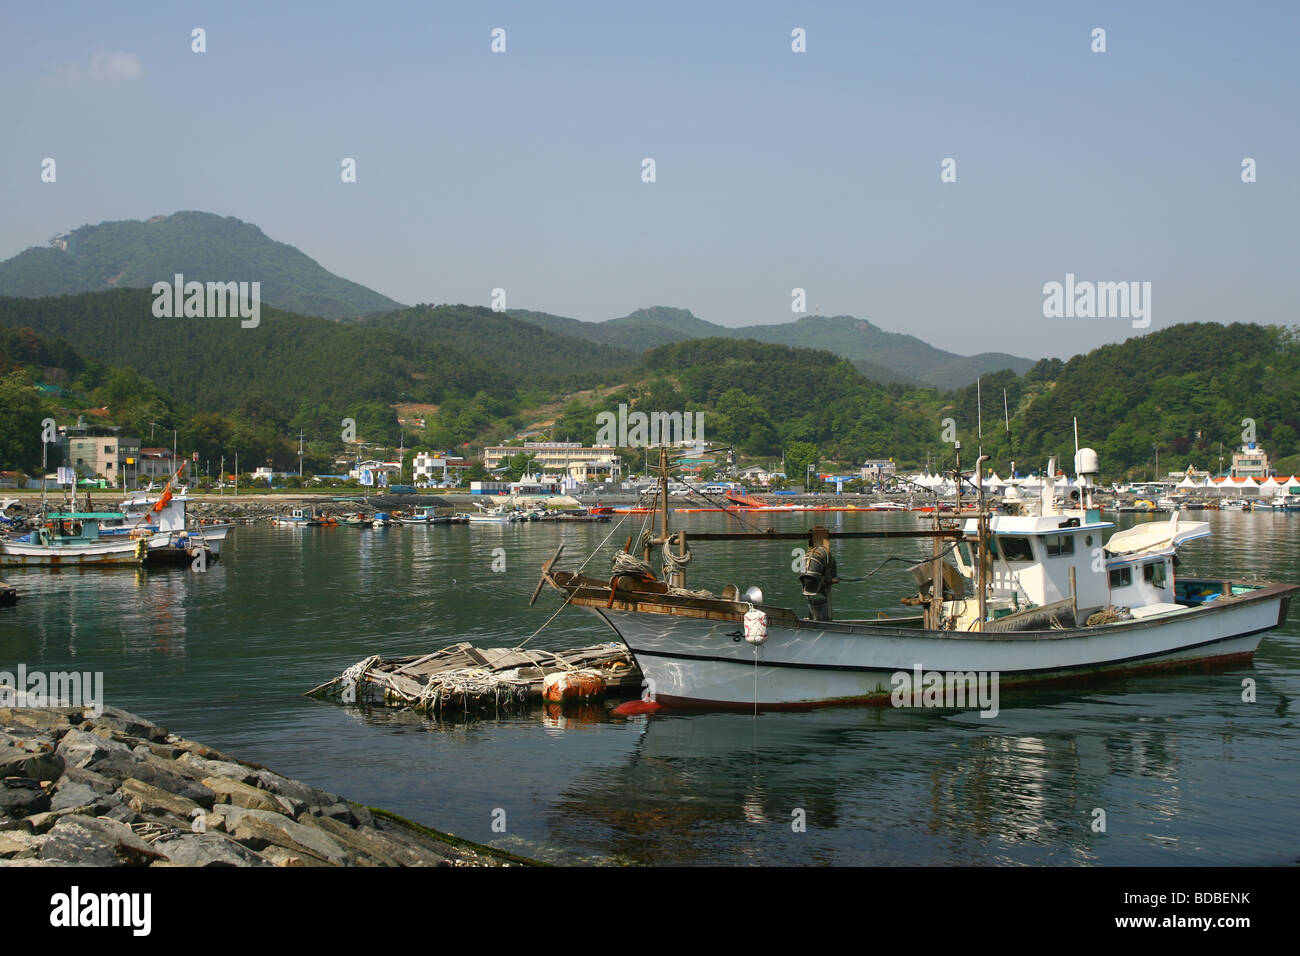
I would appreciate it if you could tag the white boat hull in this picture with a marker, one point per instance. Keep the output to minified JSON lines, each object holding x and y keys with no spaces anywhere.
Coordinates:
{"x":693,"y":661}
{"x":111,"y":550}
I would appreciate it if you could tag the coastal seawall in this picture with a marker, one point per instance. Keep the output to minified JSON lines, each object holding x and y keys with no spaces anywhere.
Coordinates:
{"x":118,"y":790}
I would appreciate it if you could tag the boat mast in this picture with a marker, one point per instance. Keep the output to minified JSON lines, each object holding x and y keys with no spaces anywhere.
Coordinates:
{"x":663,"y":499}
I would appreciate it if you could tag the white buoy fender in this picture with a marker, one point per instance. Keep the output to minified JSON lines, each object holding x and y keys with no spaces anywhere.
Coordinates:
{"x":755,"y":626}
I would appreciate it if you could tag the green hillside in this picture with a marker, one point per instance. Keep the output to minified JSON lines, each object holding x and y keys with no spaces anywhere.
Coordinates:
{"x":879,"y":355}
{"x":524,"y":352}
{"x":201,"y":246}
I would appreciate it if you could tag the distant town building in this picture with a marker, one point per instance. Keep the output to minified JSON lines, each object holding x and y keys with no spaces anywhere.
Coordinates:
{"x":579,"y":462}
{"x":756,"y":475}
{"x":1192,"y":472}
{"x":877,"y":469}
{"x":438,"y":469}
{"x":153,"y":464}
{"x":375,"y":467}
{"x":105,"y":456}
{"x":1249,"y":462}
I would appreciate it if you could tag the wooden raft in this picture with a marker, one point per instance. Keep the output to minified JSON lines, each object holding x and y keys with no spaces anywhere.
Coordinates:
{"x":463,"y":677}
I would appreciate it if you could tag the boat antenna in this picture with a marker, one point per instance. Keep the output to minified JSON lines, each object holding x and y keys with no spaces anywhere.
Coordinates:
{"x":1011,"y":448}
{"x":45,"y":468}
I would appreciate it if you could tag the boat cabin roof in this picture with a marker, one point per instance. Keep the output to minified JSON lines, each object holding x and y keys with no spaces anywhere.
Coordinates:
{"x":84,"y":515}
{"x":1038,"y":525}
{"x":1155,"y":537}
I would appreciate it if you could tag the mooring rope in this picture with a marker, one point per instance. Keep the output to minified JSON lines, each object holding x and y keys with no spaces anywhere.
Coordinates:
{"x":595,"y":551}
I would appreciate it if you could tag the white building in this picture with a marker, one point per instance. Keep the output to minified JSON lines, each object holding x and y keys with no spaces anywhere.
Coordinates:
{"x":877,"y":469}
{"x":1249,"y":462}
{"x":375,"y":467}
{"x":561,"y":458}
{"x":437,"y":469}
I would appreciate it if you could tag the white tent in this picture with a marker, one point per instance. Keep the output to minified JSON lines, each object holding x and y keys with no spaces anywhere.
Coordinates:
{"x":1270,"y":487}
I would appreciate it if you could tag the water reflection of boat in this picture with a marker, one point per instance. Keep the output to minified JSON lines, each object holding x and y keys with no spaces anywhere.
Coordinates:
{"x":1033,"y":598}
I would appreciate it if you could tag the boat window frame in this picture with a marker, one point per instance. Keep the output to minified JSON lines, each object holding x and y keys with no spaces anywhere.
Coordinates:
{"x":999,"y":552}
{"x":1062,"y":552}
{"x":1125,"y":573}
{"x":1150,"y":574}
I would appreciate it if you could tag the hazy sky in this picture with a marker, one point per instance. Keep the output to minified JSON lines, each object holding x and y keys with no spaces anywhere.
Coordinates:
{"x":774,"y":169}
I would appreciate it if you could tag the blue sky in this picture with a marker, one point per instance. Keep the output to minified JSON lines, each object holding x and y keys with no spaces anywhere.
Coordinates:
{"x":775,"y":170}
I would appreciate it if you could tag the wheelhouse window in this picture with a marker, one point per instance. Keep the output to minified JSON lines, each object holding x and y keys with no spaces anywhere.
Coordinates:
{"x":1059,"y":544}
{"x":1011,"y":547}
{"x":1121,"y":577}
{"x":1155,"y":573}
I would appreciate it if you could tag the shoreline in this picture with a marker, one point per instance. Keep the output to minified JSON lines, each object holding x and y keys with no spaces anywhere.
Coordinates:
{"x":119,"y":790}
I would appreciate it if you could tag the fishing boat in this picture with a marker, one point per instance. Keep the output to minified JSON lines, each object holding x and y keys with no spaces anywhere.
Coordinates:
{"x":424,"y":516}
{"x":357,"y":521}
{"x":168,"y":514}
{"x":489,"y":515}
{"x":304,"y":518}
{"x":1026,"y":599}
{"x":72,"y":538}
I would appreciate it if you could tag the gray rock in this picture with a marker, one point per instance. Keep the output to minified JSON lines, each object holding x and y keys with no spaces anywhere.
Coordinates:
{"x":155,"y":772}
{"x":198,"y":749}
{"x":123,"y":814}
{"x":242,"y":795}
{"x":20,"y":845}
{"x":95,"y":781}
{"x":76,"y":795}
{"x":229,"y":769}
{"x":299,"y":794}
{"x":279,"y":856}
{"x":130,"y":725}
{"x":96,"y":841}
{"x":370,"y":847}
{"x":21,"y":802}
{"x":360,"y":816}
{"x":79,"y":748}
{"x":57,"y":719}
{"x":43,"y":822}
{"x":258,"y":829}
{"x":39,"y":766}
{"x":149,"y":800}
{"x":207,"y":849}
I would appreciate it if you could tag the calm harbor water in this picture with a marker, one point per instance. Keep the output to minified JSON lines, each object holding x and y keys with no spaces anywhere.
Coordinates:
{"x":1185,"y":771}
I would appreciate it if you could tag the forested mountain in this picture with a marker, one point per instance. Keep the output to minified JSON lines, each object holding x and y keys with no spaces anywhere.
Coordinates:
{"x":879,"y":355}
{"x":1182,"y":390}
{"x":201,"y":246}
{"x":525,"y":353}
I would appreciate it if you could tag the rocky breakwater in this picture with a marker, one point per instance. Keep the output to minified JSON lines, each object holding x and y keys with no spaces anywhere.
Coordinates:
{"x":117,"y":790}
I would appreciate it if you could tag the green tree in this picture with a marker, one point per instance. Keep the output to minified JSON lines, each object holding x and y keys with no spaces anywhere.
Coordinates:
{"x":799,"y":455}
